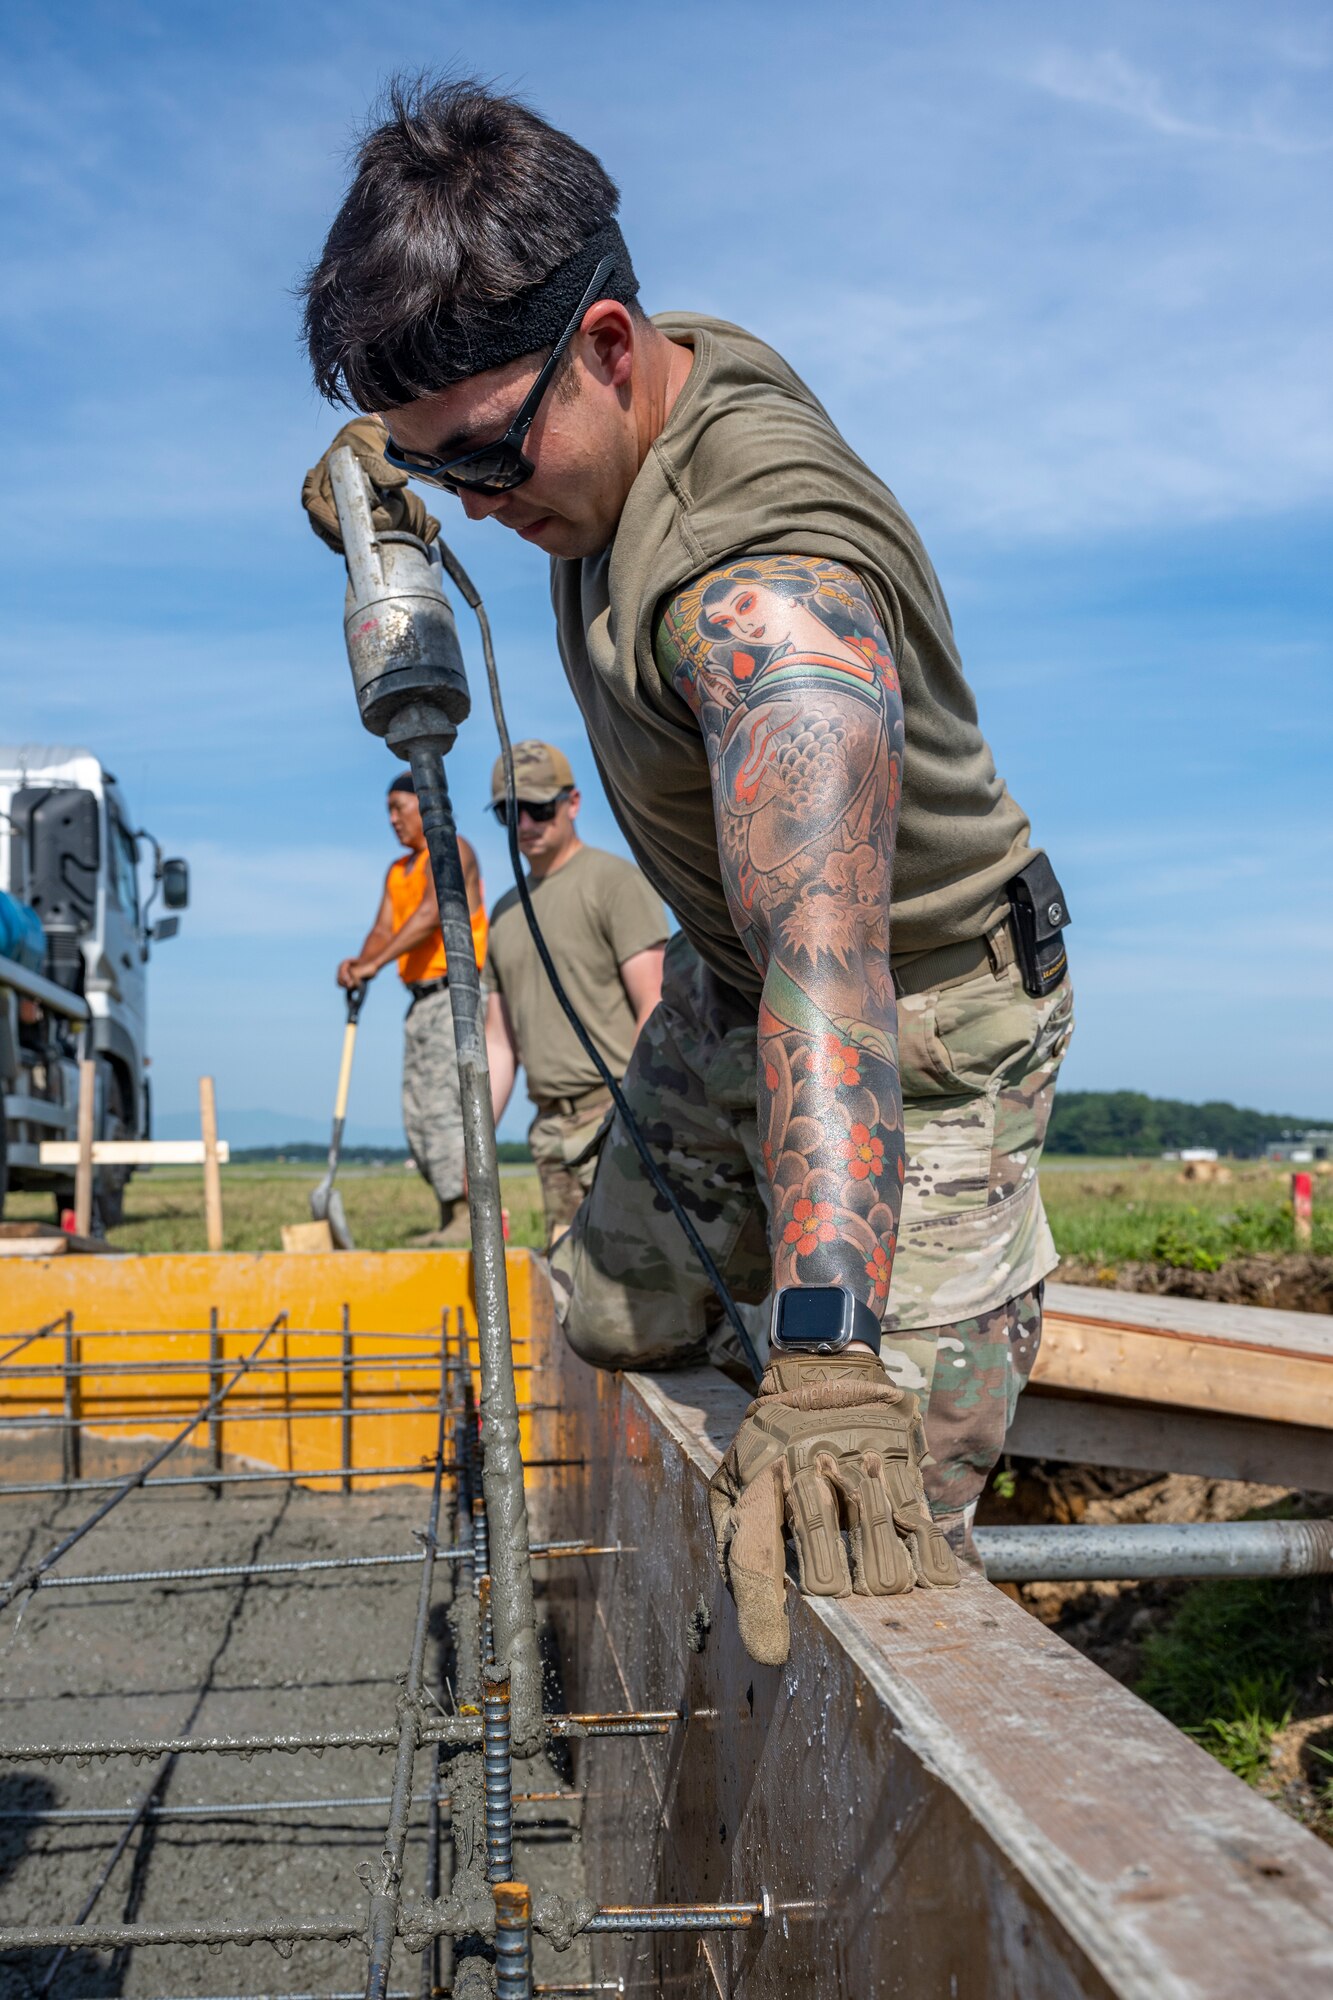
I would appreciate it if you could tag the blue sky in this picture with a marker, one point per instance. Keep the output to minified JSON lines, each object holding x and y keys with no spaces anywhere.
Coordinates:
{"x":1062,"y":275}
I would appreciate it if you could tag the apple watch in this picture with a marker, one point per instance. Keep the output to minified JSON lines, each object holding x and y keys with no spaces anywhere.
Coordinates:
{"x":820,"y":1319}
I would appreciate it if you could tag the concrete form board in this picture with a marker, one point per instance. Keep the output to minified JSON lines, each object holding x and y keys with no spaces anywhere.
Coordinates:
{"x":941,"y":1796}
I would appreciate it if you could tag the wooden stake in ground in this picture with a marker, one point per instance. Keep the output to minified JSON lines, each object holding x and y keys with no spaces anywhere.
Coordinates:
{"x":83,"y":1172}
{"x":1302,"y":1207}
{"x":208,"y":1123}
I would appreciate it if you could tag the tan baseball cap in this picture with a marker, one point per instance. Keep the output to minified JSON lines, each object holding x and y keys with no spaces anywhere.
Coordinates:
{"x":541,"y":773}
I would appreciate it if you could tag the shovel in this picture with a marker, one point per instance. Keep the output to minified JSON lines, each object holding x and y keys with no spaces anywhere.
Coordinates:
{"x":326,"y":1204}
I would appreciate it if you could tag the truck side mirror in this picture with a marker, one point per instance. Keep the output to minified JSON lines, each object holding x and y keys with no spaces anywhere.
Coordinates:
{"x":176,"y":884}
{"x":165,"y":927}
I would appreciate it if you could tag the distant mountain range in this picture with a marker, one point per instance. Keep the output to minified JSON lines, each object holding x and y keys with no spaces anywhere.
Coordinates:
{"x":243,"y":1129}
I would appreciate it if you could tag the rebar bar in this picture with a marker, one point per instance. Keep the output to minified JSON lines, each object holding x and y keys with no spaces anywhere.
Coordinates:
{"x":277,"y":1413}
{"x":458,"y":1729}
{"x":65,"y":1320}
{"x":242,"y":1808}
{"x":312,"y":1364}
{"x":27,"y":1488}
{"x":498,"y":1777}
{"x":513,"y":1941}
{"x":623,"y":1918}
{"x":214,"y":1572}
{"x":384,"y":1900}
{"x":30,"y":1577}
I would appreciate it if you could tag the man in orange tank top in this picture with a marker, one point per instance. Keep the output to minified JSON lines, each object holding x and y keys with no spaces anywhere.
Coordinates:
{"x":407,"y":928}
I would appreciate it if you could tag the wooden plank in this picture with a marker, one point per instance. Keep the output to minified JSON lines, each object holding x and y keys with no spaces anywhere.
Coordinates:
{"x":1196,"y":1319}
{"x":1075,"y":1431}
{"x":133,"y":1152}
{"x":1096,"y":1359}
{"x":208,"y":1120}
{"x":939,"y":1794}
{"x":83,"y":1158}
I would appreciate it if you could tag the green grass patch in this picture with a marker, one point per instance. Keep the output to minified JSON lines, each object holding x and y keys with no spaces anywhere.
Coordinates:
{"x":1236,"y":1661}
{"x":1144,"y":1212}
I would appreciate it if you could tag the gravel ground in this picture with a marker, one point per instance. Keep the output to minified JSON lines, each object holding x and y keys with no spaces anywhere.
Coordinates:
{"x":204,"y":1658}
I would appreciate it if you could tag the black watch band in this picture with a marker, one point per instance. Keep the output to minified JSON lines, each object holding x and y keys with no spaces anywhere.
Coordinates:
{"x":865,"y":1325}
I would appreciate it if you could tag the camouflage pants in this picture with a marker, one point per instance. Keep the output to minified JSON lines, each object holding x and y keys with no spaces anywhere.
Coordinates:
{"x":432,"y":1118}
{"x":978,"y":1060}
{"x":564,"y":1153}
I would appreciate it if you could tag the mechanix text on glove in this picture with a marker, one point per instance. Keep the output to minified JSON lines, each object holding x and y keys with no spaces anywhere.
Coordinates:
{"x":826,"y":1444}
{"x":395,"y":507}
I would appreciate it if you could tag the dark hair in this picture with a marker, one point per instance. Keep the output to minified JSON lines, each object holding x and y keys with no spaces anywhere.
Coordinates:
{"x":462,"y":199}
{"x":794,"y":583}
{"x":403,"y":782}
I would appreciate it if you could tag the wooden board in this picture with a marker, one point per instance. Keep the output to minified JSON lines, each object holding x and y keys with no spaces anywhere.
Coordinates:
{"x":132,"y":1152}
{"x":1078,"y":1430}
{"x":1189,"y":1354}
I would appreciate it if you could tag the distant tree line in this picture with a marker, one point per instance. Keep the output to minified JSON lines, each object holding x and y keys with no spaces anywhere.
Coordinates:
{"x":509,"y":1152}
{"x":1108,"y":1122}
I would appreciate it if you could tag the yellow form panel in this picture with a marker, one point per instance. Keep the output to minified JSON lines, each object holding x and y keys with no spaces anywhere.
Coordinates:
{"x":360,"y":1332}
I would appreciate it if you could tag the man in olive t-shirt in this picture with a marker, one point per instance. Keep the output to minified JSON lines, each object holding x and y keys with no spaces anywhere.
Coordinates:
{"x":606,"y":930}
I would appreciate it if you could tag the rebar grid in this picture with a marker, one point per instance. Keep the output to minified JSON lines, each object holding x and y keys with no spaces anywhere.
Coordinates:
{"x":483,"y":1905}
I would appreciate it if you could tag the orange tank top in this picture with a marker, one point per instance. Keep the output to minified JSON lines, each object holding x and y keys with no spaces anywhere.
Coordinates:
{"x":407,"y":885}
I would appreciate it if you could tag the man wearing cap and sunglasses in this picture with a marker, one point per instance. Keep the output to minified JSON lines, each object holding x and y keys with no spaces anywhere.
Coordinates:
{"x":850,"y":1073}
{"x":605,"y":929}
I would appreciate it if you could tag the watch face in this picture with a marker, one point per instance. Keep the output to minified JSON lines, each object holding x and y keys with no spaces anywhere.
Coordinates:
{"x":817,"y":1317}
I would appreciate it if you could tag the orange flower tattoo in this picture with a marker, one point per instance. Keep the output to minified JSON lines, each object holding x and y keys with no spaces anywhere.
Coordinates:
{"x":811,"y":1225}
{"x":878,"y":1271}
{"x":839,"y":1062}
{"x":864,"y":1154}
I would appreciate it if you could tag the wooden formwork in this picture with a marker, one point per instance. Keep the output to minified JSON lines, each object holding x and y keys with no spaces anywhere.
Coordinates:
{"x":939,"y":1798}
{"x":366,"y":1322}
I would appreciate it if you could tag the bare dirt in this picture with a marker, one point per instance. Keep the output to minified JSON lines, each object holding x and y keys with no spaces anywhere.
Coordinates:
{"x":1291,"y":1281}
{"x":288,"y":1654}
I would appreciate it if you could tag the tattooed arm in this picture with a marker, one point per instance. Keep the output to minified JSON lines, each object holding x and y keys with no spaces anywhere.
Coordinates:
{"x":785,"y":664}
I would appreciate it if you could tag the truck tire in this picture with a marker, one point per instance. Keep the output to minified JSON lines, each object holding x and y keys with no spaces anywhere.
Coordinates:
{"x":109,"y":1182}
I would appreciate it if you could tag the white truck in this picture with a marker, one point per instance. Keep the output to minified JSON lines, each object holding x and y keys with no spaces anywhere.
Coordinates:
{"x":70,"y":852}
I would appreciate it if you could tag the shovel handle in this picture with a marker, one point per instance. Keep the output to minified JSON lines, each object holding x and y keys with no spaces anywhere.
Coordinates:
{"x":355,"y":996}
{"x":345,"y":1071}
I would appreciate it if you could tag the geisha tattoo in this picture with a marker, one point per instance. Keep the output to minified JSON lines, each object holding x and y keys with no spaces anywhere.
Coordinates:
{"x":787,"y":667}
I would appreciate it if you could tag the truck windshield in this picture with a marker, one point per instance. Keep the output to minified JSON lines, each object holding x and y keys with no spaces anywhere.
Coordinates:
{"x":124,"y":869}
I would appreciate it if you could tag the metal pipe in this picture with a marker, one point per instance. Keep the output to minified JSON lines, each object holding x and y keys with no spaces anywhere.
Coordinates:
{"x":384,"y":1900}
{"x":497,"y":1775}
{"x":459,"y":1729}
{"x":29,"y":1578}
{"x":512,"y":1604}
{"x":1130,"y":1550}
{"x":513,"y":1941}
{"x":546,"y":1551}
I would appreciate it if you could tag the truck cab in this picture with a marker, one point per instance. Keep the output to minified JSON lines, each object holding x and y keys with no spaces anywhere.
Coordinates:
{"x":71,"y":851}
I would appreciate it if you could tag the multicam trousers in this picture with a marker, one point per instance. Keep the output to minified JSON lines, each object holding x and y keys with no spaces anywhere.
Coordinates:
{"x":432,"y":1116}
{"x":978,"y":1060}
{"x":563,"y":1138}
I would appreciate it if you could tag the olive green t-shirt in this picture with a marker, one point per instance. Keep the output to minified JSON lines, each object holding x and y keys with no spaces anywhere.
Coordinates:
{"x":750,"y":463}
{"x":595,"y":912}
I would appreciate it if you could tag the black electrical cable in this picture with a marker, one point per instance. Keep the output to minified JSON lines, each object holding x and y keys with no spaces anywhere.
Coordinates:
{"x":659,"y":1180}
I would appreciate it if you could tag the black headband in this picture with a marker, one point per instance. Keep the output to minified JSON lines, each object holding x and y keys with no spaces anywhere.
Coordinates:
{"x":535,"y":318}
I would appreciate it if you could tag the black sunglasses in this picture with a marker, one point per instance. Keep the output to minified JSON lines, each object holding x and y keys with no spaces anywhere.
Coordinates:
{"x":542,"y":811}
{"x":499,"y":467}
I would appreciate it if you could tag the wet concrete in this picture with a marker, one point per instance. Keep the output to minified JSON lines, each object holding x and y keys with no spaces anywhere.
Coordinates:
{"x":280,"y":1654}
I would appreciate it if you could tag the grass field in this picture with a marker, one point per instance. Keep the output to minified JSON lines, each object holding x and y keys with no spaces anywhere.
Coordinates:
{"x":1103,"y":1214}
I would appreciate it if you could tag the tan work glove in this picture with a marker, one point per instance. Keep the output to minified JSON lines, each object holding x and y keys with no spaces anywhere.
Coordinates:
{"x":396,"y":508}
{"x":827,"y":1443}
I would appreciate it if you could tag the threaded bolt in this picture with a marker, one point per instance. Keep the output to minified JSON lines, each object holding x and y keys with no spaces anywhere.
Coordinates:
{"x":497,"y":1776}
